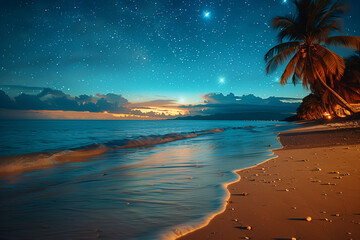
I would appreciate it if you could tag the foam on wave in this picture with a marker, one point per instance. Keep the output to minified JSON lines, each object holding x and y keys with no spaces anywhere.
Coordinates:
{"x":24,"y":162}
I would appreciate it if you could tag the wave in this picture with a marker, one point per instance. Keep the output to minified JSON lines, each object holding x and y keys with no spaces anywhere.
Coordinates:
{"x":16,"y":164}
{"x":25,"y":162}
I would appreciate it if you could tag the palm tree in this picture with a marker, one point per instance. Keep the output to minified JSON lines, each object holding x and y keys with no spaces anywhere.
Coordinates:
{"x":308,"y":35}
{"x":311,"y":108}
{"x":349,"y":86}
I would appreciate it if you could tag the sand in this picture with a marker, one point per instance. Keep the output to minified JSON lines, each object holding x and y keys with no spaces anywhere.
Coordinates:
{"x":316,"y":174}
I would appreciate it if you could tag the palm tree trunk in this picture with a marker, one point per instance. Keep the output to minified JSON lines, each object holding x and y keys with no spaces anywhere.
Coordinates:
{"x":343,"y":101}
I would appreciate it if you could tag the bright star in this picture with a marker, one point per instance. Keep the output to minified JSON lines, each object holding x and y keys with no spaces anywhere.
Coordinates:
{"x":207,"y":14}
{"x":284,"y":1}
{"x":222,"y":80}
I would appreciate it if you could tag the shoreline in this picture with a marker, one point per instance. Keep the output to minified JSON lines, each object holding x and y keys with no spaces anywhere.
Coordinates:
{"x":211,"y":216}
{"x":235,"y":226}
{"x":183,"y":230}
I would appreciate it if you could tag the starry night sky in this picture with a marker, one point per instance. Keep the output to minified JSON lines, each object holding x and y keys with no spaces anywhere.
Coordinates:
{"x":145,"y":49}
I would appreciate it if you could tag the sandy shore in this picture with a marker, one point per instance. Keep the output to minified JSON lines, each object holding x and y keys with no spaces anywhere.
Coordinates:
{"x":316,"y":174}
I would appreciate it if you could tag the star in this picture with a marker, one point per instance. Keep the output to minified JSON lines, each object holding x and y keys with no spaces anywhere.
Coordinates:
{"x":284,"y":1}
{"x":207,"y":14}
{"x":222,"y":80}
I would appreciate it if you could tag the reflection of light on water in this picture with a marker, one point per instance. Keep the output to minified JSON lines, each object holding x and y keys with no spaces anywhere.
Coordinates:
{"x":130,"y":192}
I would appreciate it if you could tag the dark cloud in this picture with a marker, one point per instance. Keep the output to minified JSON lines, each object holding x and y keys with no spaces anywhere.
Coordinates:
{"x":220,"y":98}
{"x":216,"y":103}
{"x":51,"y":93}
{"x":29,"y":102}
{"x":114,"y":98}
{"x":5,"y":101}
{"x":51,"y":99}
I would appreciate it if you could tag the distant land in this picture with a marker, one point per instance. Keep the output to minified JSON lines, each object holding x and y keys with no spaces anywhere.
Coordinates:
{"x":246,"y":107}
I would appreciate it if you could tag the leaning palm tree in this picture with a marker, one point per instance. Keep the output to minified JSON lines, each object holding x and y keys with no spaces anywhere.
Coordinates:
{"x":308,"y":35}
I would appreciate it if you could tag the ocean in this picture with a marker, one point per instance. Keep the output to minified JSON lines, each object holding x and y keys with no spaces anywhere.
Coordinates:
{"x":83,"y":179}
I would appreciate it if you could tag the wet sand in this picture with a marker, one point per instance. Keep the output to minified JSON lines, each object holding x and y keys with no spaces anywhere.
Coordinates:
{"x":316,"y":175}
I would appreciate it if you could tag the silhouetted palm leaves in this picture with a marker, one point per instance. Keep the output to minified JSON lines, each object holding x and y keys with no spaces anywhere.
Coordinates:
{"x":308,"y":34}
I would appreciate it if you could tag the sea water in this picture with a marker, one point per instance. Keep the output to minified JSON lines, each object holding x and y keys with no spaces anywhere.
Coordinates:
{"x":82,"y":179}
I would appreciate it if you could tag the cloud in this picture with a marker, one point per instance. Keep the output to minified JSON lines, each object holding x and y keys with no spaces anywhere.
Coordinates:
{"x":56,"y":100}
{"x":154,"y":103}
{"x":114,"y":98}
{"x":51,"y":92}
{"x":5,"y":101}
{"x":52,"y":100}
{"x":219,"y":98}
{"x":215,"y":103}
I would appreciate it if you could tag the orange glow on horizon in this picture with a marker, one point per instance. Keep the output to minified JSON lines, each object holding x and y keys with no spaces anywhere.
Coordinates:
{"x":163,"y":110}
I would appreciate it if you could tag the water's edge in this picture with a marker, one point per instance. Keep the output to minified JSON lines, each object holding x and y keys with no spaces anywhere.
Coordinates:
{"x":184,"y":229}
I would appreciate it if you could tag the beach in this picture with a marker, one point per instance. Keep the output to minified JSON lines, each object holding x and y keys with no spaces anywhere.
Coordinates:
{"x":311,"y":190}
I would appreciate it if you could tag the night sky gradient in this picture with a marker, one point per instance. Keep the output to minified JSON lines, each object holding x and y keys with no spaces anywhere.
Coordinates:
{"x":146,"y":50}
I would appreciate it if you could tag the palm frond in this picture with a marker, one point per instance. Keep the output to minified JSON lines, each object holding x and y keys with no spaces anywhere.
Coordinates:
{"x":336,"y":11}
{"x":279,"y":48}
{"x":289,"y":28}
{"x":344,"y":41}
{"x":323,"y":32}
{"x":280,"y":58}
{"x":290,"y":68}
{"x":333,"y":63}
{"x":283,"y":22}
